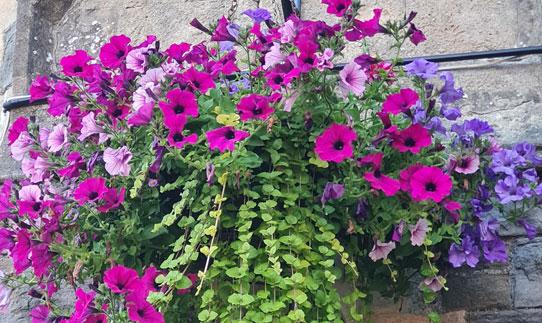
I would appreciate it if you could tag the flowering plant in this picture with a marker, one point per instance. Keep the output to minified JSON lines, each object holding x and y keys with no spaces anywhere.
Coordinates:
{"x":189,"y":184}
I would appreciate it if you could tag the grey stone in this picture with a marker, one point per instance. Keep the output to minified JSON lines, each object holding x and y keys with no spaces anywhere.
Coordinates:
{"x":511,"y":316}
{"x":7,"y":59}
{"x":486,"y":287}
{"x":533,"y":217}
{"x":527,"y":273}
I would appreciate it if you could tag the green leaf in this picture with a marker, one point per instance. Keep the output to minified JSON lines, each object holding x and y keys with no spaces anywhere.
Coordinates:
{"x":297,"y":295}
{"x":250,"y":160}
{"x":236,"y":272}
{"x":240,"y":299}
{"x":206,"y":315}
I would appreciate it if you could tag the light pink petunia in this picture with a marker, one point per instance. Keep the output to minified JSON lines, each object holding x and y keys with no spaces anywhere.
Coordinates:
{"x":117,"y":161}
{"x":381,"y":250}
{"x":57,"y":138}
{"x":90,"y":127}
{"x":352,"y":79}
{"x":5,"y":293}
{"x":274,"y":56}
{"x":21,"y":146}
{"x":418,"y":232}
{"x":137,"y":59}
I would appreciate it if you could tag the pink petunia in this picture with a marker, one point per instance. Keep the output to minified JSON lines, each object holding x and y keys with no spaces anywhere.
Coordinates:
{"x":466,"y":164}
{"x":5,"y":204}
{"x":254,"y":106}
{"x":200,"y":81}
{"x":19,"y":126}
{"x":76,"y":64}
{"x":337,"y":7}
{"x":90,"y":128}
{"x":274,"y":56}
{"x":21,"y":146}
{"x":41,"y":259}
{"x":75,"y":164}
{"x":5,"y":294}
{"x":400,"y":102}
{"x":418,"y":232}
{"x":113,"y":53}
{"x":40,"y":314}
{"x":367,"y":28}
{"x":180,"y":105}
{"x":117,"y":161}
{"x":176,"y":138}
{"x":381,"y":250}
{"x":224,"y":138}
{"x":430,"y":183}
{"x":141,"y":311}
{"x":62,"y":99}
{"x":411,"y":139}
{"x":141,"y":116}
{"x":435,"y":283}
{"x":406,"y":174}
{"x":112,"y":199}
{"x":58,"y":138}
{"x":90,"y":190}
{"x":40,"y":88}
{"x":121,"y":280}
{"x":30,"y":201}
{"x":137,"y":60}
{"x":335,"y":143}
{"x":21,"y":251}
{"x":7,"y":240}
{"x":352,"y":79}
{"x":323,"y":61}
{"x":383,"y":183}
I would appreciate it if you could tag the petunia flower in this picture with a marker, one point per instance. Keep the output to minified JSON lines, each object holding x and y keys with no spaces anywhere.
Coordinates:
{"x":335,"y":143}
{"x":224,"y":138}
{"x":422,"y":68}
{"x":418,"y":232}
{"x":5,"y":204}
{"x":137,"y":59}
{"x":466,"y":164}
{"x":495,"y":251}
{"x":381,"y":250}
{"x":21,"y":251}
{"x":176,"y":138}
{"x":76,"y":64}
{"x":273,"y":56}
{"x":83,"y":306}
{"x":30,"y":201}
{"x":62,"y":99}
{"x":141,"y":116}
{"x":397,"y":233}
{"x":180,"y":105}
{"x":332,"y":191}
{"x":367,"y":28}
{"x":141,"y":311}
{"x":121,"y":280}
{"x":258,"y":15}
{"x":466,"y":252}
{"x":57,"y":138}
{"x":40,"y":88}
{"x":90,"y":190}
{"x":6,"y":240}
{"x":75,"y":164}
{"x":117,"y":161}
{"x":40,"y":314}
{"x":430,"y":183}
{"x":200,"y":81}
{"x":510,"y":189}
{"x":21,"y":146}
{"x":222,"y":33}
{"x":114,"y":52}
{"x":435,"y":283}
{"x":5,"y":293}
{"x":254,"y":106}
{"x":530,"y":229}
{"x":18,"y":126}
{"x":112,"y":199}
{"x":411,"y":139}
{"x":41,"y":259}
{"x":90,"y":128}
{"x":448,"y":93}
{"x":416,"y":35}
{"x":352,"y":79}
{"x":386,"y":184}
{"x":400,"y":102}
{"x":452,"y":207}
{"x":337,"y":7}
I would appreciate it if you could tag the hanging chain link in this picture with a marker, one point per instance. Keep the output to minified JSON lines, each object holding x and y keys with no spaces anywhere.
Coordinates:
{"x":233,"y":9}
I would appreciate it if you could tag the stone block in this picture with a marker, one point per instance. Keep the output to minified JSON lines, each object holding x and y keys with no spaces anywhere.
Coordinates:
{"x":527,"y":273}
{"x":512,"y":316}
{"x":486,"y":287}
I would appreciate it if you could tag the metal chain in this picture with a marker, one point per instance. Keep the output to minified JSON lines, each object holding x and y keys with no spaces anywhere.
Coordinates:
{"x":233,"y":9}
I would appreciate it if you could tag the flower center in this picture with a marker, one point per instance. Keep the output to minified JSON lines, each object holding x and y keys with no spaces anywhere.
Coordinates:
{"x":409,"y":142}
{"x":178,"y":109}
{"x":229,"y":135}
{"x":196,"y":84}
{"x":92,"y":195}
{"x":430,"y":187}
{"x":178,"y":137}
{"x":78,"y":69}
{"x":120,"y":54}
{"x":338,"y":145}
{"x":464,"y":163}
{"x":117,"y":113}
{"x":278,"y":79}
{"x":141,"y":312}
{"x":257,"y":111}
{"x":377,"y":173}
{"x":340,"y":7}
{"x":37,"y":206}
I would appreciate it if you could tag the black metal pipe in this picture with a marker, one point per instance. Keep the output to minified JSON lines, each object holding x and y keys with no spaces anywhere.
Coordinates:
{"x":24,"y":101}
{"x":287,"y":8}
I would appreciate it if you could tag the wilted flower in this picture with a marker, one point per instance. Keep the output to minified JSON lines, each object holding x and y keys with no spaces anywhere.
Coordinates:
{"x":332,"y":191}
{"x":418,"y":232}
{"x":381,"y":250}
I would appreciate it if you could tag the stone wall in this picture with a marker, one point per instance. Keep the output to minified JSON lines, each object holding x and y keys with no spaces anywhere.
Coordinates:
{"x":34,"y":34}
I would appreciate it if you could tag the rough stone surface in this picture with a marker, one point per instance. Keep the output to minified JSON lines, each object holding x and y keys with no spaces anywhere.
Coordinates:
{"x":527,"y":273}
{"x":512,"y":316}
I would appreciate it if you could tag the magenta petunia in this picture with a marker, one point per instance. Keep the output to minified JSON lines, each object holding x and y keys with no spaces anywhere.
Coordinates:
{"x":75,"y":164}
{"x":76,"y":64}
{"x":430,"y":183}
{"x":121,"y":280}
{"x":418,"y":232}
{"x":40,"y":314}
{"x":335,"y":143}
{"x":337,"y":7}
{"x":112,"y":199}
{"x":7,"y":240}
{"x":176,"y":138}
{"x":57,"y":138}
{"x":416,"y":35}
{"x":374,"y":159}
{"x":141,"y":311}
{"x":141,"y":116}
{"x":62,"y":99}
{"x":41,"y":259}
{"x":21,"y":251}
{"x":19,"y":125}
{"x":383,"y":183}
{"x":83,"y":306}
{"x":223,"y":31}
{"x":117,"y":161}
{"x":90,"y":190}
{"x":200,"y":81}
{"x":117,"y":111}
{"x":352,"y":79}
{"x":40,"y":88}
{"x":30,"y":201}
{"x":254,"y":106}
{"x":113,"y":53}
{"x":180,"y":105}
{"x":400,"y":102}
{"x":411,"y":139}
{"x":381,"y":250}
{"x":452,"y":207}
{"x":6,"y":206}
{"x":366,"y":28}
{"x":224,"y":138}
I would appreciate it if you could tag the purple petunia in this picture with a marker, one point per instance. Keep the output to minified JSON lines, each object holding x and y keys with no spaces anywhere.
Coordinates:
{"x":332,"y":191}
{"x":467,"y":252}
{"x":258,"y":15}
{"x":422,"y":68}
{"x":494,"y":250}
{"x":505,"y":161}
{"x":448,"y":93}
{"x":510,"y":190}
